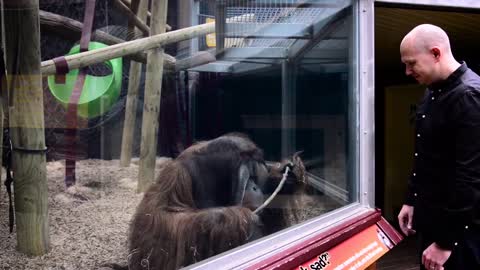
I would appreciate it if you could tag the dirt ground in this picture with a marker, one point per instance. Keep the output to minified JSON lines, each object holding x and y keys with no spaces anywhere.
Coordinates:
{"x":88,"y":222}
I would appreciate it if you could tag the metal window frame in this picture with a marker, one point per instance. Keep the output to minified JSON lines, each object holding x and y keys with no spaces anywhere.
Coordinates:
{"x":366,"y":77}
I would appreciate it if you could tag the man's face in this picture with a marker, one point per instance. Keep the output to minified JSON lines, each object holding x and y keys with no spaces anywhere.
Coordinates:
{"x":420,"y":64}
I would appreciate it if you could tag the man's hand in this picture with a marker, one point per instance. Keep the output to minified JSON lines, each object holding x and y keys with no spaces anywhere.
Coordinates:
{"x":434,"y":257}
{"x":405,"y":220}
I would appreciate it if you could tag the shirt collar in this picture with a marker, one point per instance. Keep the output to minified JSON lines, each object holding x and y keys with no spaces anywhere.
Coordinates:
{"x":451,"y":81}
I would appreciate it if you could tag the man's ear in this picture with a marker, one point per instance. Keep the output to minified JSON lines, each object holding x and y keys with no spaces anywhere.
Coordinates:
{"x":436,"y":52}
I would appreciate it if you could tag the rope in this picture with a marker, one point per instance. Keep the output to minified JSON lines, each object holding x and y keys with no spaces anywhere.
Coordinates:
{"x":71,"y":115}
{"x":279,"y":187}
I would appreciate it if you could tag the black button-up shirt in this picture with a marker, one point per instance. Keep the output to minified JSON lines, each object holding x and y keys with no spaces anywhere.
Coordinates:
{"x":444,"y":187}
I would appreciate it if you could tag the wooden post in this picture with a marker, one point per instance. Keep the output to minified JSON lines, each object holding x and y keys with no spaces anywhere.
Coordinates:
{"x":151,"y":109}
{"x":27,"y":125}
{"x":131,"y":104}
{"x":3,"y":82}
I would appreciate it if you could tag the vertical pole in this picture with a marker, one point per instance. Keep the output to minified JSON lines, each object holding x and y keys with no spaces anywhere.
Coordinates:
{"x":351,"y":150}
{"x":27,"y":125}
{"x":220,"y":25}
{"x":153,"y":89}
{"x":366,"y":101}
{"x":132,"y":95}
{"x":3,"y":73}
{"x":288,"y":108}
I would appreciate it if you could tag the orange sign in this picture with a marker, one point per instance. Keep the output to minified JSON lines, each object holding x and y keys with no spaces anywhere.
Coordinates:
{"x":211,"y":40}
{"x":356,"y":253}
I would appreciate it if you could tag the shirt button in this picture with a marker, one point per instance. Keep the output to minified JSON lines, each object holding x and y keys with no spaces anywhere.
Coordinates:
{"x":418,"y":135}
{"x":466,"y":227}
{"x":439,"y":90}
{"x":423,"y":116}
{"x":456,"y":244}
{"x":414,"y":174}
{"x":415,"y":194}
{"x":416,"y":154}
{"x":433,"y":98}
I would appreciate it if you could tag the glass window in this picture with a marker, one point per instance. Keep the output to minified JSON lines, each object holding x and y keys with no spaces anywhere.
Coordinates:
{"x":280,"y":74}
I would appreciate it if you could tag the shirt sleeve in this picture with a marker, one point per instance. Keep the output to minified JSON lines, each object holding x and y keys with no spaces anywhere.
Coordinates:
{"x":463,"y":200}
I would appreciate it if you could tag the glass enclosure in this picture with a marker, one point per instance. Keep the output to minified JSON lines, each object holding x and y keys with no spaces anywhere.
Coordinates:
{"x":282,"y":73}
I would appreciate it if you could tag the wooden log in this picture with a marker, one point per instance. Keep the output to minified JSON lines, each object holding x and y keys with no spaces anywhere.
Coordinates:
{"x":130,"y":12}
{"x":133,"y":6}
{"x":149,"y":15}
{"x":27,"y":125}
{"x":197,"y":59}
{"x":132,"y":96}
{"x":72,"y":29}
{"x":132,"y":17}
{"x":151,"y":109}
{"x":130,"y":47}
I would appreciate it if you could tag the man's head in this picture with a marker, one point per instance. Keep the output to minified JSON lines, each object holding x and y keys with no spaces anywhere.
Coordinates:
{"x":426,"y":53}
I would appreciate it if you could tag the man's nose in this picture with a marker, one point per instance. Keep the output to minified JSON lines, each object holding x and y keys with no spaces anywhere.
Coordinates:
{"x":408,"y":71}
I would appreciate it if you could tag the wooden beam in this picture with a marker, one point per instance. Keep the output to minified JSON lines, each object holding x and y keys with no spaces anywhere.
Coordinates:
{"x":151,"y":109}
{"x":126,"y":8}
{"x":197,"y":59}
{"x":72,"y":29}
{"x":130,"y":47}
{"x":139,"y":45}
{"x":149,"y":15}
{"x":132,"y":17}
{"x":27,"y":125}
{"x":132,"y":95}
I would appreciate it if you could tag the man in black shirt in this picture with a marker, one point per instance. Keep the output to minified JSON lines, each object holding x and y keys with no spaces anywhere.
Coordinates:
{"x":442,"y":201}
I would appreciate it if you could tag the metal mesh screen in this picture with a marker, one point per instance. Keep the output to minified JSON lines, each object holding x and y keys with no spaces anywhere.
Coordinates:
{"x":269,"y":12}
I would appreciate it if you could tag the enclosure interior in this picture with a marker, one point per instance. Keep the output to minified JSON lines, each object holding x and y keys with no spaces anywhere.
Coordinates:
{"x":396,"y":95}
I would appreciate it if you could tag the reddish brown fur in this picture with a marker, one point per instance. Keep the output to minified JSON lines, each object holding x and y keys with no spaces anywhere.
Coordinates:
{"x":168,"y":231}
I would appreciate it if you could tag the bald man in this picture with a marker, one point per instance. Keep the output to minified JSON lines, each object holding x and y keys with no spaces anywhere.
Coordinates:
{"x":442,"y":202}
